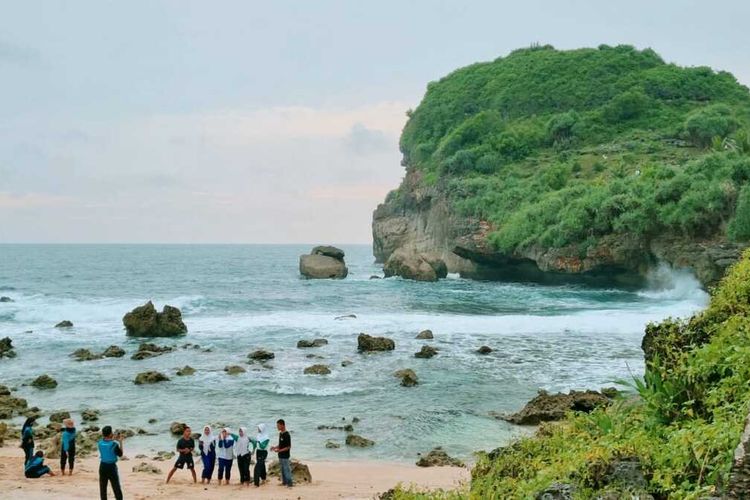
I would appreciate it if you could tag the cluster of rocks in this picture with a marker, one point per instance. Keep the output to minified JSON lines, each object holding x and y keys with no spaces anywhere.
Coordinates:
{"x":300,"y":472}
{"x":407,"y":376}
{"x":438,"y":458}
{"x":145,"y":321}
{"x":148,"y":350}
{"x":323,"y":262}
{"x":185,"y":371}
{"x":304,"y":344}
{"x":317,"y":369}
{"x":83,"y":354}
{"x":546,"y":407}
{"x":234,"y":369}
{"x":368,"y":343}
{"x":150,"y":377}
{"x":44,"y":382}
{"x":6,"y":348}
{"x":419,"y":266}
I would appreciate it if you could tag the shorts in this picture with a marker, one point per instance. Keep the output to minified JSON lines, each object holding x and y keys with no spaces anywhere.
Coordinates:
{"x":183,"y":460}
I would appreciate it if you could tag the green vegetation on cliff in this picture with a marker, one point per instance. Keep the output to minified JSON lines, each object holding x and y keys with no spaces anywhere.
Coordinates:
{"x":557,"y":148}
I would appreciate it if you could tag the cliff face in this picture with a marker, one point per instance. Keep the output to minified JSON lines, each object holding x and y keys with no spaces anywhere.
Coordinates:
{"x":421,"y":218}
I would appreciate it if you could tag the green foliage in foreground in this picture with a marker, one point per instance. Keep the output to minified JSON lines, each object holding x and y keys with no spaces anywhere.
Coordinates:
{"x":683,"y":427}
{"x":557,"y":148}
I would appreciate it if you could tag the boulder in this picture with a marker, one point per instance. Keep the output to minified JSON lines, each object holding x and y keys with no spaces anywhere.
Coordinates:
{"x":148,"y":350}
{"x":317,"y":370}
{"x":145,"y":321}
{"x":185,"y":371}
{"x":424,"y":335}
{"x":484,"y":350}
{"x":4,"y":390}
{"x":413,"y":265}
{"x":59,"y":416}
{"x":150,"y":377}
{"x":11,"y":406}
{"x":44,"y":382}
{"x":303,"y":344}
{"x":90,"y":415}
{"x":438,"y":458}
{"x":5,"y":299}
{"x":331,"y":444}
{"x":329,"y":251}
{"x":161,"y":456}
{"x":368,"y":343}
{"x":300,"y":472}
{"x":407,"y":376}
{"x":113,"y":351}
{"x":6,"y":348}
{"x":147,"y":468}
{"x":84,"y":355}
{"x":234,"y":369}
{"x":358,"y":441}
{"x":547,"y":407}
{"x":177,"y":428}
{"x":322,"y":267}
{"x":261,"y":355}
{"x":64,"y":324}
{"x":426,"y":352}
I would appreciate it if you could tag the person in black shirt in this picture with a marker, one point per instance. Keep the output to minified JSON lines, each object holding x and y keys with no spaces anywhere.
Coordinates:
{"x":185,"y":447}
{"x":283,"y":449}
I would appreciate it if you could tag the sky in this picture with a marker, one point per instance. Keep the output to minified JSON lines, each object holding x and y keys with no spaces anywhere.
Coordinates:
{"x":264,"y":122}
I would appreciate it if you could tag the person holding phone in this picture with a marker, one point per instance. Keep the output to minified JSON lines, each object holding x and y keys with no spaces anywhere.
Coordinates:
{"x":110,"y":448}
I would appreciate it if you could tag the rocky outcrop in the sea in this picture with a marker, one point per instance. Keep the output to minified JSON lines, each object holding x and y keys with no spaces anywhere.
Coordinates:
{"x":5,"y":299}
{"x":304,"y":344}
{"x":90,"y":415}
{"x":11,"y":406}
{"x":84,"y":355}
{"x":64,"y":324}
{"x":411,"y":264}
{"x":485,"y":349}
{"x":148,"y":350}
{"x":426,"y":352}
{"x":44,"y":382}
{"x":425,"y":335}
{"x":324,"y":262}
{"x":6,"y":348}
{"x":150,"y":377}
{"x":145,"y":321}
{"x":113,"y":351}
{"x":317,"y":370}
{"x":59,"y":416}
{"x":407,"y":376}
{"x":234,"y":369}
{"x":260,"y":355}
{"x":368,"y":343}
{"x":438,"y":458}
{"x":359,"y":441}
{"x":300,"y":472}
{"x":185,"y":371}
{"x":546,"y":407}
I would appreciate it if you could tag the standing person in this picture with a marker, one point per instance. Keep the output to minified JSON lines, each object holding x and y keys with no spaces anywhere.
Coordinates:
{"x":244,"y":454}
{"x":185,"y":447}
{"x":35,"y":467}
{"x":283,"y":449}
{"x":110,"y":447}
{"x":207,"y":446}
{"x":68,"y":446}
{"x":225,"y":452}
{"x":261,"y":453}
{"x":27,"y":439}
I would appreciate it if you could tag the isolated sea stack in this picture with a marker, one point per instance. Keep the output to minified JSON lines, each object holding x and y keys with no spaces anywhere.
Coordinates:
{"x":145,"y":321}
{"x":324,"y":262}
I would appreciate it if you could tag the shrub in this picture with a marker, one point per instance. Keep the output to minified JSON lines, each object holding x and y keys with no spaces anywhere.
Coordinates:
{"x":706,"y":123}
{"x":626,"y":106}
{"x":739,"y":226}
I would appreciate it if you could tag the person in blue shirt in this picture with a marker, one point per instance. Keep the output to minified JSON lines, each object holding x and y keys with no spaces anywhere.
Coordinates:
{"x":68,"y":446}
{"x":225,"y":452}
{"x":110,"y":447}
{"x":35,"y":467}
{"x":27,"y":439}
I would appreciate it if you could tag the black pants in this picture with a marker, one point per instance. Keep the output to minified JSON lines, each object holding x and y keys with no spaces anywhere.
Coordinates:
{"x":108,"y":474}
{"x":68,"y":456}
{"x":243,"y":464}
{"x":28,"y":452}
{"x":260,"y":466}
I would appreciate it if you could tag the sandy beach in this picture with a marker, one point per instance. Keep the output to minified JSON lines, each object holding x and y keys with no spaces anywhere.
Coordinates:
{"x":334,"y":480}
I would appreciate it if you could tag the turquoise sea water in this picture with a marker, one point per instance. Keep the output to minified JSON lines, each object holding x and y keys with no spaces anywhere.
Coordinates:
{"x":238,"y":298}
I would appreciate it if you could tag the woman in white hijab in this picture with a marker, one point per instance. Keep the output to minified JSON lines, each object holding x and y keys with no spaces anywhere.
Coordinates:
{"x":244,"y":454}
{"x":261,"y":453}
{"x":207,"y":446}
{"x":225,"y":453}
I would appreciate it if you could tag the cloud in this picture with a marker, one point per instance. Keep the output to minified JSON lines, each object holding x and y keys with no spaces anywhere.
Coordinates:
{"x":363,"y":141}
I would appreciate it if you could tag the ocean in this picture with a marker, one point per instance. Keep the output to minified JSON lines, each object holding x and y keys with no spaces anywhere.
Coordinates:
{"x":238,"y":298}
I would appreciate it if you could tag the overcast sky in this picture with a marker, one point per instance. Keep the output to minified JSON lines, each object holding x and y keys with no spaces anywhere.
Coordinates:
{"x":263,"y":122}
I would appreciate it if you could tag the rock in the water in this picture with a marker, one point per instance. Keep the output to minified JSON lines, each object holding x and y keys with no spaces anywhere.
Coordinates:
{"x":90,"y":415}
{"x":185,"y":371}
{"x":261,"y":355}
{"x":547,"y":407}
{"x":59,"y":416}
{"x":346,"y":363}
{"x":368,"y":343}
{"x":6,"y":348}
{"x":484,"y":350}
{"x":425,"y":335}
{"x":234,"y":369}
{"x":322,"y":267}
{"x":407,"y":376}
{"x":177,"y":428}
{"x":11,"y":406}
{"x":5,"y":299}
{"x":150,"y":377}
{"x":149,"y":350}
{"x":438,"y":458}
{"x":317,"y":370}
{"x":410,"y":264}
{"x":163,"y":455}
{"x":426,"y":352}
{"x":346,"y":316}
{"x":147,"y":468}
{"x":376,"y":277}
{"x":332,"y":444}
{"x":44,"y":382}
{"x":4,"y":390}
{"x":64,"y":324}
{"x":84,"y":355}
{"x":303,"y":344}
{"x":329,"y":251}
{"x":113,"y":351}
{"x":358,"y":441}
{"x":300,"y":472}
{"x":145,"y":321}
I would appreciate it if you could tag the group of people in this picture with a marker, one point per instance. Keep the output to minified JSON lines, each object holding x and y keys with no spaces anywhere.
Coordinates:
{"x":222,"y":449}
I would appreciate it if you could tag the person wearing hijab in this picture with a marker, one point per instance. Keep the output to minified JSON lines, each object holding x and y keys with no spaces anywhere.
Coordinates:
{"x":68,"y":446}
{"x":207,"y":446}
{"x":225,"y":453}
{"x":35,"y":467}
{"x":261,"y":453}
{"x":27,"y":439}
{"x":244,"y":454}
